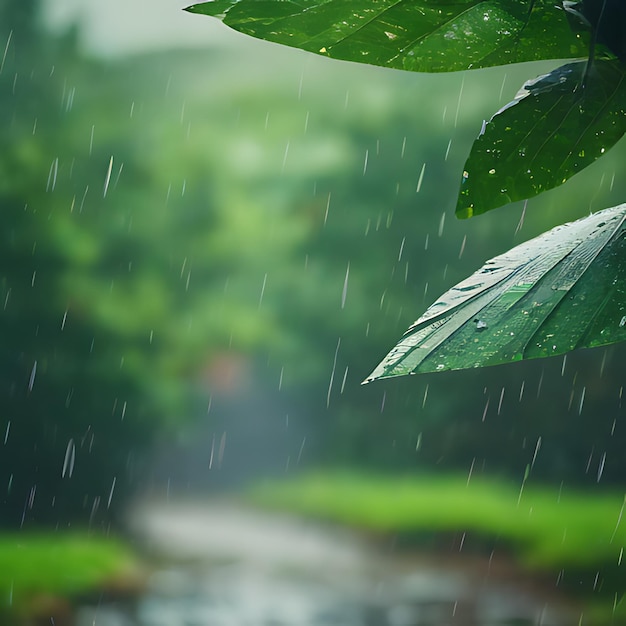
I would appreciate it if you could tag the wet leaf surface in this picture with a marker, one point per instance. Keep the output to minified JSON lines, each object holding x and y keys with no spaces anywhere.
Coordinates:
{"x":416,"y":35}
{"x":554,"y":128}
{"x":563,"y":290}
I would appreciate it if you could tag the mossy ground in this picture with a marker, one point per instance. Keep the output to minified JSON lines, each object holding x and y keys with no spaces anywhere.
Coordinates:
{"x":57,"y":565}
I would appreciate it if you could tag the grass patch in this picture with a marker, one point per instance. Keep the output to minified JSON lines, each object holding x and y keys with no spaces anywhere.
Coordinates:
{"x":580,"y":534}
{"x":547,"y":529}
{"x":57,"y":565}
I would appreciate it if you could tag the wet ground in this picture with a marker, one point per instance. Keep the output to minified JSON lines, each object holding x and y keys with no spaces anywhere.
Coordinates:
{"x":221,"y":564}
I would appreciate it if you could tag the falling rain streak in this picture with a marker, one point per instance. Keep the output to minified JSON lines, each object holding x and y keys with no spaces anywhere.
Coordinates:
{"x":33,"y":373}
{"x":502,"y":87}
{"x":6,"y":50}
{"x":500,"y":401}
{"x":582,"y":401}
{"x":601,"y":466}
{"x":111,"y":492}
{"x":327,"y":209}
{"x":332,"y":374}
{"x":107,"y":178}
{"x":471,"y":470}
{"x":262,"y":290}
{"x":462,"y":249}
{"x":68,"y":461}
{"x":421,"y":178}
{"x":344,"y":291}
{"x":520,"y":224}
{"x":401,"y":248}
{"x":52,"y":175}
{"x":442,"y":223}
{"x":343,"y":381}
{"x":537,"y":446}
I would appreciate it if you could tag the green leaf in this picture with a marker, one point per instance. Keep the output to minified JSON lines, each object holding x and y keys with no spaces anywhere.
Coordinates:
{"x":566,"y":289}
{"x":555,"y":127}
{"x":607,"y":18}
{"x":416,"y":35}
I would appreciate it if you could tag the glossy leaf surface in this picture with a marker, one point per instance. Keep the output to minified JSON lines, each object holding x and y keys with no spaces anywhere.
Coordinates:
{"x":566,"y":289}
{"x":554,"y":128}
{"x":417,"y":35}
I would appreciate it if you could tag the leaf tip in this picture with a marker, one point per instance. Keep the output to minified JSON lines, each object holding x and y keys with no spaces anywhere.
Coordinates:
{"x":211,"y":7}
{"x":464,"y":212}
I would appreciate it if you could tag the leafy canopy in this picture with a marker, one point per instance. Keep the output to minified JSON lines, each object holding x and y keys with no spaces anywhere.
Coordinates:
{"x":562,"y":290}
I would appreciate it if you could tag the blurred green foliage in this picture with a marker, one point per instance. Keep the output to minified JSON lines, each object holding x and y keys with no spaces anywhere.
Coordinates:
{"x":175,"y":224}
{"x":36,"y":567}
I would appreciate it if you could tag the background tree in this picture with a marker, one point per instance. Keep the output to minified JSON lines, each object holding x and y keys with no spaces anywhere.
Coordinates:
{"x":232,"y":254}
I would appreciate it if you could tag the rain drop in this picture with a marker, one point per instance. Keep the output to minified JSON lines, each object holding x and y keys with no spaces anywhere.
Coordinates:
{"x":401,"y":248}
{"x":344,"y":291}
{"x":33,"y":373}
{"x":52,"y":175}
{"x":111,"y":492}
{"x":486,"y":409}
{"x":332,"y":374}
{"x":601,"y":466}
{"x":582,"y":400}
{"x":107,"y":178}
{"x":481,"y":325}
{"x":462,"y":246}
{"x":420,"y":179}
{"x":68,"y":461}
{"x":262,"y":290}
{"x":6,"y":50}
{"x":537,"y":446}
{"x":343,"y":382}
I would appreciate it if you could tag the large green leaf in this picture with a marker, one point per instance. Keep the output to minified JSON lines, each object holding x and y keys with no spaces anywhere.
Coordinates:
{"x":417,"y":35}
{"x":563,"y":290}
{"x":555,"y":127}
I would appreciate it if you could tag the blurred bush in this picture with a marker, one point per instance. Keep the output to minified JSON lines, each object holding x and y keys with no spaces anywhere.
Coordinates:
{"x":177,"y":224}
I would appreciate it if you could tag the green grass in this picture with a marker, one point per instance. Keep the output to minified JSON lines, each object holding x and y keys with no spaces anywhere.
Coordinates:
{"x":546,"y":529}
{"x":58,"y":565}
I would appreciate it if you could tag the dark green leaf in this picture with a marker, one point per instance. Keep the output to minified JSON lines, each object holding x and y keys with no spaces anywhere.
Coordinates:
{"x":563,"y":290}
{"x":553,"y":129}
{"x":608,"y":19}
{"x":417,"y":35}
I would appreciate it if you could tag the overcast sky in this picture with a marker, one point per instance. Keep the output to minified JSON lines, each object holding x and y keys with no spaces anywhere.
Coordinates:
{"x":118,"y":27}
